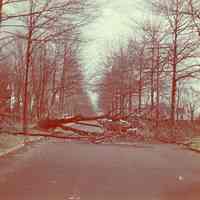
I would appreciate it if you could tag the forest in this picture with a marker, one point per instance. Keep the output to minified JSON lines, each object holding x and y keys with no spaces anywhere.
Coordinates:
{"x":153,"y":76}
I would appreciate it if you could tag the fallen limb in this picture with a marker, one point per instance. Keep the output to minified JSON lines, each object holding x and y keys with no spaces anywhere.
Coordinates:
{"x":48,"y":135}
{"x":87,"y":124}
{"x":79,"y":131}
{"x":53,"y":123}
{"x":59,"y":135}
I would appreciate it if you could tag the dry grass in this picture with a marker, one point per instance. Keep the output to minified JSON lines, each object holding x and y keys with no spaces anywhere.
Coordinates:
{"x":166,"y":131}
{"x":9,"y":141}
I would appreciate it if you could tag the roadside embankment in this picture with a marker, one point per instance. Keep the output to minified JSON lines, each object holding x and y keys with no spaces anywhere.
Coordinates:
{"x":10,"y":143}
{"x":194,"y":144}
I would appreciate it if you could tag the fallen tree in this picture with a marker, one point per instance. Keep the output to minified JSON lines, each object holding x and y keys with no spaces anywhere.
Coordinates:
{"x":52,"y":135}
{"x":91,"y":138}
{"x":87,"y":124}
{"x":79,"y":131}
{"x":47,"y":128}
{"x":53,"y":123}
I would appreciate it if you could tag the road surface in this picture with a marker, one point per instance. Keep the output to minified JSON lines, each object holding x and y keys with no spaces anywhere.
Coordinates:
{"x":58,"y":170}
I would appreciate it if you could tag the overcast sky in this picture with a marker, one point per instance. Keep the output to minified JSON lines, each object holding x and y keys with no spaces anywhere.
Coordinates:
{"x":114,"y":26}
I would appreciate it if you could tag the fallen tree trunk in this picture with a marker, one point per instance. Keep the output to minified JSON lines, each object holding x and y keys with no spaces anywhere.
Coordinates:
{"x":75,"y":130}
{"x":53,"y":123}
{"x":45,"y":125}
{"x":87,"y":124}
{"x":49,"y":135}
{"x":59,"y":135}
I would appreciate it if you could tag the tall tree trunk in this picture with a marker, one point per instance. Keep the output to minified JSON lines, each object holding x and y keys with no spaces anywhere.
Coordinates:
{"x":1,"y":10}
{"x":54,"y":93}
{"x":129,"y":102}
{"x":174,"y":64}
{"x":158,"y":86}
{"x":130,"y":94}
{"x":174,"y":82}
{"x":28,"y":58}
{"x":27,"y":66}
{"x":42,"y":94}
{"x":152,"y":75}
{"x":62,"y":83}
{"x":140,"y":89}
{"x":178,"y":103}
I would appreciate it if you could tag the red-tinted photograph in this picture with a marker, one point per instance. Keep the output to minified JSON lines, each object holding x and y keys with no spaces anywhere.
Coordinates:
{"x":99,"y":99}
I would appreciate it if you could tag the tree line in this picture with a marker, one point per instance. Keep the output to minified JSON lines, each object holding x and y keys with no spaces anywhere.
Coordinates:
{"x":40,"y":72}
{"x":155,"y":73}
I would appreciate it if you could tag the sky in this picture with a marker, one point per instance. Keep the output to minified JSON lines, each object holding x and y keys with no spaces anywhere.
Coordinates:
{"x":115,"y":25}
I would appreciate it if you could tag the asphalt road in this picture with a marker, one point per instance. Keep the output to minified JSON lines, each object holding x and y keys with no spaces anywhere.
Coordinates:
{"x":58,"y":170}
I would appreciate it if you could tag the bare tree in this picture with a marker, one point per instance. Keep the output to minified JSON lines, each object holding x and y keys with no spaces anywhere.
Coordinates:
{"x":181,"y":42}
{"x":45,"y":34}
{"x":194,"y":12}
